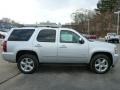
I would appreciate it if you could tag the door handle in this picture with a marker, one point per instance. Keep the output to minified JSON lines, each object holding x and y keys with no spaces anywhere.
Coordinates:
{"x":38,"y":45}
{"x":63,"y":46}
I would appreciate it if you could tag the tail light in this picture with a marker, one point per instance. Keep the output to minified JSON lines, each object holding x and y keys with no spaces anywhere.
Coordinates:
{"x":5,"y":46}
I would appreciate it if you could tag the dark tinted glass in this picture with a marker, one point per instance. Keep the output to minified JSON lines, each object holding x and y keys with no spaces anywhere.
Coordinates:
{"x":47,"y":36}
{"x":21,"y":35}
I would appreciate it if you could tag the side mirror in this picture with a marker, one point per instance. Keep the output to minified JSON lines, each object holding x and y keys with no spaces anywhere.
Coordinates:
{"x":81,"y":41}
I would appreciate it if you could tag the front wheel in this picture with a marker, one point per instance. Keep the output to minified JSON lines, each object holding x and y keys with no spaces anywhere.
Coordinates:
{"x":27,"y":64}
{"x":100,"y":64}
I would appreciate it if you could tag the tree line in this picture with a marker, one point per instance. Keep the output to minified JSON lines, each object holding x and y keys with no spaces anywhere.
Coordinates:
{"x":101,"y":20}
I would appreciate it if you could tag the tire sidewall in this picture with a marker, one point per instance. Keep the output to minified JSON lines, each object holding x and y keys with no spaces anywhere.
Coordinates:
{"x":35,"y":61}
{"x":92,"y":64}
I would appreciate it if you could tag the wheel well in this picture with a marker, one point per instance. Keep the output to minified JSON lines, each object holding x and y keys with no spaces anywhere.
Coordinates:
{"x":19,"y":53}
{"x":105,"y":53}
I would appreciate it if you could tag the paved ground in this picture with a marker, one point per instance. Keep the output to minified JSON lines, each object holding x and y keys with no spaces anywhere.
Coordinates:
{"x":58,"y":78}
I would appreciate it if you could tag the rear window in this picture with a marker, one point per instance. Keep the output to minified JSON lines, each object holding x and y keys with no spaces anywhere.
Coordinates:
{"x":21,"y":35}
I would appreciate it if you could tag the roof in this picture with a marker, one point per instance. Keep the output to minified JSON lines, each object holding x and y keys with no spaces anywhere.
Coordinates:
{"x":41,"y":28}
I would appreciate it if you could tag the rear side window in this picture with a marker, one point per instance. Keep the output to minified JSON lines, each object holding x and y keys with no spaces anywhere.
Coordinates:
{"x":47,"y":36}
{"x":21,"y":35}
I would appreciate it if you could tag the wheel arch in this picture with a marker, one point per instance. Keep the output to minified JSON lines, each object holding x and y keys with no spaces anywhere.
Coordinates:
{"x":105,"y":53}
{"x":22,"y":52}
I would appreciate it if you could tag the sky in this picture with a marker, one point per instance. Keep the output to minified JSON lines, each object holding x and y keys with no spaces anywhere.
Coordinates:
{"x":32,"y":11}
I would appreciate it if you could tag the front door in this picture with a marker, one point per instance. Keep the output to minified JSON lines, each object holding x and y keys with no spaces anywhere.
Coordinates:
{"x":69,"y":48}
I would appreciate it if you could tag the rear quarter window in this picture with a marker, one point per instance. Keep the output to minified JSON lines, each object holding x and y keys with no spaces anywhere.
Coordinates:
{"x":21,"y":35}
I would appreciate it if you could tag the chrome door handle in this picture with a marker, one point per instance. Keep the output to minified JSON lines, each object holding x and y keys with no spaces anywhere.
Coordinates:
{"x":63,"y":46}
{"x":38,"y":45}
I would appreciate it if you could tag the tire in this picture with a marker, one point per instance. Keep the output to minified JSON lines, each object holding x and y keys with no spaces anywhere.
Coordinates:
{"x":28,"y":64}
{"x":117,"y":41}
{"x":97,"y":64}
{"x":112,"y":41}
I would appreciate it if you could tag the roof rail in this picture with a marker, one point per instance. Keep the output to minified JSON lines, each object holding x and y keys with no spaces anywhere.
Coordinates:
{"x":51,"y":26}
{"x":45,"y":25}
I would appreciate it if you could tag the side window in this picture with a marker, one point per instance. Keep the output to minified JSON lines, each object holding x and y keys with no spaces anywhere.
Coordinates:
{"x":47,"y":35}
{"x":68,"y":37}
{"x":21,"y":35}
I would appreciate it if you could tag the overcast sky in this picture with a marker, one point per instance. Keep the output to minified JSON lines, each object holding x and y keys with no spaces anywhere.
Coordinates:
{"x":32,"y":11}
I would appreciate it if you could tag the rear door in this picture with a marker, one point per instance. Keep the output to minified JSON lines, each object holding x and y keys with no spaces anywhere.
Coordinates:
{"x":46,"y":45}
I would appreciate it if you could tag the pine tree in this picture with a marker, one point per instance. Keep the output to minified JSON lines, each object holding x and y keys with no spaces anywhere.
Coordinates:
{"x":106,"y":5}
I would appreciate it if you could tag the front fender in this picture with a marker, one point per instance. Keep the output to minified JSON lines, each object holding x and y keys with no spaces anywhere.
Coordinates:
{"x":100,"y":50}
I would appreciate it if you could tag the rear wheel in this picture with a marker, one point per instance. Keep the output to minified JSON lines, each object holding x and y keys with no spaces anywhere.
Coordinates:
{"x":27,"y":64}
{"x":100,"y":64}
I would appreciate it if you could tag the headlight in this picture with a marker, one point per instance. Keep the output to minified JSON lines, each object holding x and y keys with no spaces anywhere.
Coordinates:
{"x":116,"y":50}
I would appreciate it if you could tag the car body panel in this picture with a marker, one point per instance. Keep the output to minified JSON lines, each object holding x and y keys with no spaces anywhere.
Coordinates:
{"x":53,"y":53}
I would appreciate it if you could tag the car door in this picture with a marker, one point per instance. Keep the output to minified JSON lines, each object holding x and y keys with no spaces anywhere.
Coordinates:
{"x":46,"y":45}
{"x":69,"y":48}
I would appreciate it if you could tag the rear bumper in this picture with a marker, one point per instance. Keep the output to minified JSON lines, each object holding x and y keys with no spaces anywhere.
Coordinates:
{"x":10,"y":57}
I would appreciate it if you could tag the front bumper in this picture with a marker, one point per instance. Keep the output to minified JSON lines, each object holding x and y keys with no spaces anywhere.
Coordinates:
{"x":115,"y":59}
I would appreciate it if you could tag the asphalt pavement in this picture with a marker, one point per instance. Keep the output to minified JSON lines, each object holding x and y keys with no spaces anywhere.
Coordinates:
{"x":58,"y":78}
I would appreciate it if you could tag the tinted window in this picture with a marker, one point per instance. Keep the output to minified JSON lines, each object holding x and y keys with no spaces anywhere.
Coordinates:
{"x":68,"y":37}
{"x":21,"y":35}
{"x":47,"y":36}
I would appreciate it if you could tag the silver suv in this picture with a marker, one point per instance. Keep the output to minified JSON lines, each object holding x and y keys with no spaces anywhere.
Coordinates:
{"x":28,"y":47}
